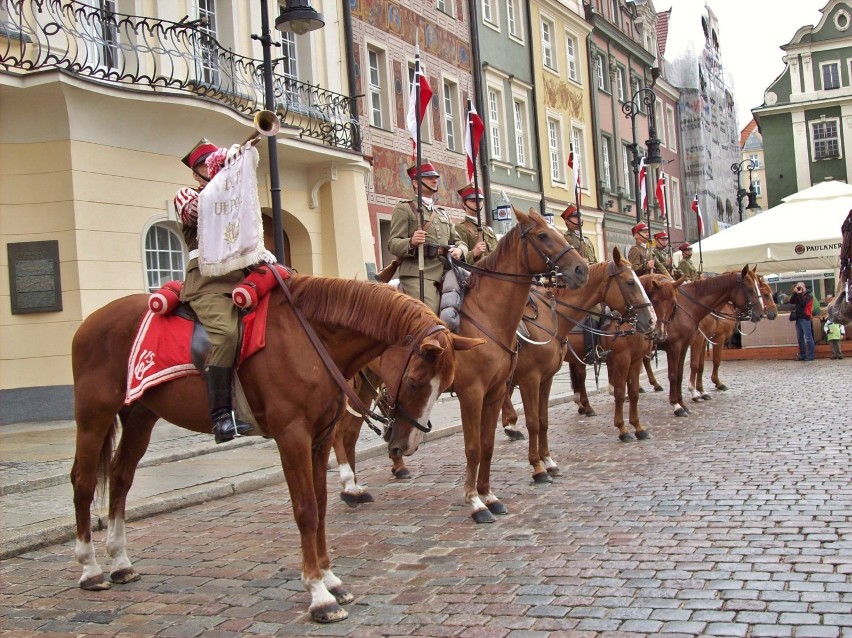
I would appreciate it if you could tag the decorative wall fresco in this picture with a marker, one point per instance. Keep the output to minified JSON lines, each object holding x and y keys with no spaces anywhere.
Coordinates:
{"x":560,"y":95}
{"x":400,"y":90}
{"x":390,"y":178}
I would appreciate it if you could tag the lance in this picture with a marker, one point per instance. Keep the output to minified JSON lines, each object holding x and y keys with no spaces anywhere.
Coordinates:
{"x":479,"y":233}
{"x":421,"y":266}
{"x":665,"y":210}
{"x":700,"y":234}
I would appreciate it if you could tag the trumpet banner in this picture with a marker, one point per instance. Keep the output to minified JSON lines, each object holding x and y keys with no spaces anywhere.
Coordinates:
{"x":230,"y":226}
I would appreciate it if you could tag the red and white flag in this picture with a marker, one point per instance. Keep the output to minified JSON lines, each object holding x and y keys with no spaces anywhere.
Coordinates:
{"x":697,"y":210}
{"x":661,"y":194}
{"x":413,"y":119}
{"x":643,"y":174}
{"x":578,"y":179}
{"x":472,"y":138}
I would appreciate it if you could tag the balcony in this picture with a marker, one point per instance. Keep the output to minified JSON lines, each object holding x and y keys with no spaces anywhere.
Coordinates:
{"x":138,"y":53}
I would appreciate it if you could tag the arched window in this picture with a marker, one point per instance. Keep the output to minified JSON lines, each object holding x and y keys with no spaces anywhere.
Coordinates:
{"x":164,"y":256}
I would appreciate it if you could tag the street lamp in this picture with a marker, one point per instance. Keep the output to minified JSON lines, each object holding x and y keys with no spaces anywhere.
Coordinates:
{"x":653,"y":159}
{"x":299,"y":17}
{"x":737,"y":169}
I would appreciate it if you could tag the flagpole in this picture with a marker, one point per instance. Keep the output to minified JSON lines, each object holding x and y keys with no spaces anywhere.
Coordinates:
{"x":577,"y":193}
{"x":475,"y":173}
{"x":665,"y":208}
{"x":421,"y":265}
{"x":700,"y":235}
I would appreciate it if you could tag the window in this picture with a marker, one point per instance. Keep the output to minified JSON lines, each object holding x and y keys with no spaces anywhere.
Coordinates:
{"x":824,"y":139}
{"x":674,"y":203}
{"x":830,"y":75}
{"x":208,"y":64}
{"x":658,"y":123}
{"x":514,"y":19}
{"x":446,"y":6}
{"x":579,"y":148}
{"x":425,"y":127}
{"x":554,"y":144}
{"x":547,"y":52}
{"x":757,"y":187}
{"x":520,"y":111}
{"x":635,"y":85}
{"x":376,"y":65}
{"x":451,"y":98}
{"x":571,"y":55}
{"x":606,"y":157}
{"x":755,"y":160}
{"x":626,"y":170}
{"x":619,"y":78}
{"x":614,"y":13}
{"x":494,"y":123}
{"x":489,"y":12}
{"x":104,"y":46}
{"x":163,"y":256}
{"x":601,"y":71}
{"x":671,"y":127}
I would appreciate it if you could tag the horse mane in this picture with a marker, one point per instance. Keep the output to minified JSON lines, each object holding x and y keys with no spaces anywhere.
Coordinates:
{"x":714,"y":284}
{"x":365,"y":307}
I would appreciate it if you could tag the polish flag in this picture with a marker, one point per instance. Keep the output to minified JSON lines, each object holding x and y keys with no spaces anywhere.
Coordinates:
{"x":643,"y":174}
{"x":661,"y":194}
{"x":697,"y":211}
{"x":413,"y":119}
{"x":472,"y":139}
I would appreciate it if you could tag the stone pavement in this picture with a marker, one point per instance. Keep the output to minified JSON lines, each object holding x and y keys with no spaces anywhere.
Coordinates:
{"x":736,"y":521}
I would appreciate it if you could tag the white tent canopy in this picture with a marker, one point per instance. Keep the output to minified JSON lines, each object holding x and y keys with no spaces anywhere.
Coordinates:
{"x":803,"y":233}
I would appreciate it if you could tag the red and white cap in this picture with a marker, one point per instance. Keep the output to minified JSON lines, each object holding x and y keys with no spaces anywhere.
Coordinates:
{"x":638,"y":228}
{"x":200,"y":152}
{"x":426,"y":170}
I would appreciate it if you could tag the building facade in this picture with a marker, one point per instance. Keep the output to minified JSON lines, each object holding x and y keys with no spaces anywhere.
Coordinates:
{"x":808,"y":108}
{"x":751,"y":143}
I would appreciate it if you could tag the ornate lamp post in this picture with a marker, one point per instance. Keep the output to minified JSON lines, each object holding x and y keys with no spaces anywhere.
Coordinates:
{"x":647,"y":97}
{"x":737,"y":169}
{"x":299,"y":17}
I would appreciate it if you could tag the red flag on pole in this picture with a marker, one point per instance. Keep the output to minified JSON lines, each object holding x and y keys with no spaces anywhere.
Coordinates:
{"x":472,"y":138}
{"x":643,"y":174}
{"x":661,"y":194}
{"x":697,"y":210}
{"x":413,"y":119}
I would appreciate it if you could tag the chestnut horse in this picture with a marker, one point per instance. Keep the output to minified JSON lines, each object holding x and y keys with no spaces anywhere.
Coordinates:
{"x":293,"y":396}
{"x":715,"y":330}
{"x":541,"y":354}
{"x":494,"y":302}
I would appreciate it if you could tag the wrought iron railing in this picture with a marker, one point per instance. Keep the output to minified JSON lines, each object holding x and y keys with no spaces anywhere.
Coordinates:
{"x":99,"y":45}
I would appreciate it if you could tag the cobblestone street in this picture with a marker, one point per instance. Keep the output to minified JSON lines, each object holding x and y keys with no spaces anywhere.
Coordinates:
{"x":736,"y":521}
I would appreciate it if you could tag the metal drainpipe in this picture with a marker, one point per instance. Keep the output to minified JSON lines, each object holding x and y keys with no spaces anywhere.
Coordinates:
{"x":350,"y":73}
{"x":477,"y":101}
{"x":541,"y":205}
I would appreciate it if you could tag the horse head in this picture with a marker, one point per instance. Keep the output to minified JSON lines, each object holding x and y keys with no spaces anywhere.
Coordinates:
{"x":662,"y":291}
{"x":632,"y":302}
{"x":545,"y":250}
{"x":746,"y":296}
{"x":770,"y":309}
{"x":416,"y":373}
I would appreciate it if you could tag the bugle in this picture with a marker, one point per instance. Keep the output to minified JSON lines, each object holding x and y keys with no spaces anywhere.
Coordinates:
{"x":266,"y":124}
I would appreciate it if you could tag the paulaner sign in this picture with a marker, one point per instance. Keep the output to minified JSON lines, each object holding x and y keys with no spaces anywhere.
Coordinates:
{"x":817,"y":249}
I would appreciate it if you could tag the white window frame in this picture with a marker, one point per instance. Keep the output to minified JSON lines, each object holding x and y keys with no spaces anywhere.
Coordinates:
{"x":556,"y":151}
{"x":813,"y":124}
{"x":675,"y":202}
{"x":606,"y":158}
{"x":491,"y":14}
{"x":519,"y":113}
{"x":452,"y":114}
{"x":548,"y":44}
{"x":615,"y":14}
{"x":174,"y":252}
{"x":822,"y":68}
{"x":572,"y":68}
{"x":600,"y":72}
{"x":757,"y":187}
{"x":671,"y":128}
{"x":426,"y":135}
{"x":659,"y":116}
{"x":447,"y":7}
{"x":496,"y":119}
{"x":104,"y":46}
{"x":515,"y":20}
{"x":627,"y":170}
{"x":755,"y":159}
{"x":207,"y":67}
{"x":619,"y":79}
{"x":378,"y":95}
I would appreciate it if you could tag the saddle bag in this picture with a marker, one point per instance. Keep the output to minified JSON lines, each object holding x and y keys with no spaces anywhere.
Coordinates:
{"x":452,"y":297}
{"x":256,"y":284}
{"x":166,"y":299}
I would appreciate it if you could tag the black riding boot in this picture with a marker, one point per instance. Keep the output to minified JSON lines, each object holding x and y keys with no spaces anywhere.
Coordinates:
{"x":225,"y":427}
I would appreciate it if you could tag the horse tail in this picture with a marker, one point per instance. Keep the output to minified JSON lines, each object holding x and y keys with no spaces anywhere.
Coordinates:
{"x":105,"y":460}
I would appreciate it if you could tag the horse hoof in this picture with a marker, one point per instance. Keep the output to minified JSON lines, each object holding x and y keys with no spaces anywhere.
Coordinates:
{"x":642,"y":435}
{"x":483,"y":516}
{"x":542,"y":477}
{"x":365,"y":497}
{"x":722,"y":387}
{"x":497,"y":508}
{"x":624,"y":438}
{"x":554,"y":471}
{"x":514,"y":435}
{"x":342,"y":596}
{"x":590,"y":412}
{"x":706,"y":397}
{"x":641,"y":390}
{"x":329,"y":613}
{"x":95,"y":583}
{"x":681,"y":412}
{"x":402,"y":473}
{"x":350,"y":499}
{"x":658,"y":388}
{"x":696,"y":399}
{"x":124,"y":576}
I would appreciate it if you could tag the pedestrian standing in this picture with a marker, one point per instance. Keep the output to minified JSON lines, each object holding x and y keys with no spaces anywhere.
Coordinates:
{"x":803,"y":304}
{"x":834,"y":334}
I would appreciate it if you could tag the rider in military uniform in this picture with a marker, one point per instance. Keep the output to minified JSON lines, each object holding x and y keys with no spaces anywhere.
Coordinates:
{"x":485,"y":241}
{"x":571,"y":216}
{"x":640,"y":256}
{"x":661,"y":253}
{"x":437,"y":236}
{"x":210,"y":297}
{"x":685,"y":267}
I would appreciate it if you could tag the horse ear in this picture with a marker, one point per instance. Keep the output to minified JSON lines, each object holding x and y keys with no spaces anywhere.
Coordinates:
{"x":745,"y":271}
{"x":522,"y":217}
{"x":616,"y":255}
{"x":466,"y":343}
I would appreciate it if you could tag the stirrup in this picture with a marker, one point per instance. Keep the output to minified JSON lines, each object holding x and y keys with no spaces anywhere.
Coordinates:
{"x":226,"y":427}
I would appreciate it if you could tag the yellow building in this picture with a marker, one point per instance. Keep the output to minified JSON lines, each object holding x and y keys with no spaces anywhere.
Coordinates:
{"x":97,"y":110}
{"x":560,"y":54}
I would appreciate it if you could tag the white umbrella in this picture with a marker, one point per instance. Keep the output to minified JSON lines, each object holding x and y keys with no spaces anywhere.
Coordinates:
{"x":802,"y":233}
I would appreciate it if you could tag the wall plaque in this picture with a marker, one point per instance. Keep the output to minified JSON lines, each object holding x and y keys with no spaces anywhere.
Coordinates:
{"x":34,"y":277}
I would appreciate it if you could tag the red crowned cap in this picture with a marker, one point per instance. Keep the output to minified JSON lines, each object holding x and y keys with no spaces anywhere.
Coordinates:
{"x":661,"y":235}
{"x":199,"y":153}
{"x":426,"y":170}
{"x":638,"y":228}
{"x":684,"y":246}
{"x":469,"y":192}
{"x":570,"y":211}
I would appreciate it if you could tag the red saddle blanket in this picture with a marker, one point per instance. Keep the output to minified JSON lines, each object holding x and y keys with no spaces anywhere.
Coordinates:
{"x":160,"y":352}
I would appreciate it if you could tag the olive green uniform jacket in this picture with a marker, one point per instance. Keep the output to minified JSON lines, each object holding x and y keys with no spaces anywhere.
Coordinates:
{"x":584,"y":246}
{"x":466,"y":231}
{"x":638,"y":256}
{"x":685,"y":268}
